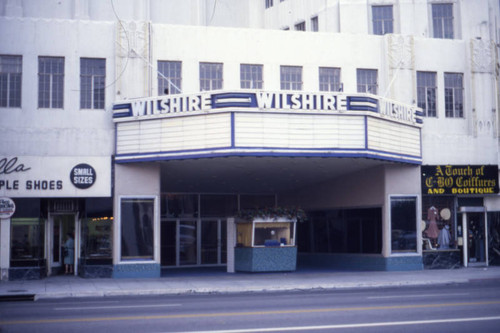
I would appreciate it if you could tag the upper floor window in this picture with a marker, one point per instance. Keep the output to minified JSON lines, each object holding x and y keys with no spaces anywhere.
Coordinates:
{"x":329,"y":79}
{"x":251,"y":76}
{"x":367,"y":80}
{"x":291,"y":77}
{"x":383,"y":21}
{"x":442,"y":20}
{"x":92,"y":83}
{"x":169,"y":77}
{"x":314,"y":24}
{"x":426,"y":93}
{"x":51,"y":82}
{"x":11,"y":70}
{"x":300,"y":26}
{"x":453,"y":95}
{"x":210,"y":76}
{"x":269,"y":3}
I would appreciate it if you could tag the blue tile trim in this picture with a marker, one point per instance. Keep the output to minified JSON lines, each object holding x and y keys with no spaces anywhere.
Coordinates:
{"x":132,"y":271}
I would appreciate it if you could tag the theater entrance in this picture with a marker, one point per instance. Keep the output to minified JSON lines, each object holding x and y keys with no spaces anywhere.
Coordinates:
{"x":193,"y":242}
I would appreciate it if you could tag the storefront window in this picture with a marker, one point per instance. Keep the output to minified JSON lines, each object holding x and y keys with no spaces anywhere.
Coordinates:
{"x":438,"y":223}
{"x":97,"y":230}
{"x":404,"y":224}
{"x":137,"y":229}
{"x":494,"y":238}
{"x":27,"y":236}
{"x":218,"y":205}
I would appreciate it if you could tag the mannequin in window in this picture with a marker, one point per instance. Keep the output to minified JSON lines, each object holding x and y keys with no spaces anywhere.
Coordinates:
{"x":444,"y":237}
{"x":432,"y":231}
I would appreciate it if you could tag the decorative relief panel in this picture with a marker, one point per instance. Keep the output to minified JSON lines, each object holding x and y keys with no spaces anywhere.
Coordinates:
{"x":132,"y":39}
{"x":482,"y":56}
{"x":401,"y":51}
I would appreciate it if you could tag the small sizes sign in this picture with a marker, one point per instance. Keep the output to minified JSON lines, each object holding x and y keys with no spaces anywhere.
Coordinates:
{"x":7,"y":207}
{"x":83,"y":176}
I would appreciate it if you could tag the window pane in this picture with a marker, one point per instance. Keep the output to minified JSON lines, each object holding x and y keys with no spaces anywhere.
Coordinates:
{"x":137,"y":234}
{"x":329,"y":79}
{"x":453,"y":94}
{"x":97,"y":230}
{"x":367,"y":80}
{"x":291,"y":77}
{"x":314,"y":24}
{"x":442,"y":20}
{"x":10,"y":81}
{"x":50,"y":82}
{"x":92,"y":83}
{"x":404,"y":224}
{"x":169,"y":77}
{"x":251,"y":76}
{"x":426,"y":93}
{"x":27,"y":236}
{"x":210,"y":76}
{"x":382,"y":20}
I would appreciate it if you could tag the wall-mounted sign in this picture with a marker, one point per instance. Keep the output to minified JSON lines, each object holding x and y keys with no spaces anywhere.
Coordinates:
{"x":83,"y":176}
{"x":7,"y":208}
{"x":459,"y":179}
{"x":47,"y":176}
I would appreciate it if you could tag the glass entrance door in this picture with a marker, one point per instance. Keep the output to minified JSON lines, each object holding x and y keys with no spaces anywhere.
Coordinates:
{"x":193,"y":242}
{"x":59,"y":228}
{"x":476,"y":239}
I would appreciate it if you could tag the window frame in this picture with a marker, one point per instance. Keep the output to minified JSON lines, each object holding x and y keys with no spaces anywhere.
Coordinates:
{"x":251,"y":76}
{"x":456,"y":93}
{"x":53,"y":97}
{"x":290,"y":72}
{"x":120,"y":229}
{"x":214,"y":83}
{"x":97,"y":100}
{"x":425,"y":77}
{"x":11,"y":81}
{"x":415,"y":199}
{"x":379,"y":21}
{"x":169,"y":77}
{"x":362,"y":80}
{"x":441,"y":21}
{"x":300,"y":26}
{"x":330,"y":84}
{"x":315,"y":23}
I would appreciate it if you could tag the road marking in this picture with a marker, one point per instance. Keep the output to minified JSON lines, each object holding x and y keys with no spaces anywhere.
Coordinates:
{"x":117,"y":307}
{"x":416,"y":296}
{"x":329,"y":327}
{"x":235,"y":314}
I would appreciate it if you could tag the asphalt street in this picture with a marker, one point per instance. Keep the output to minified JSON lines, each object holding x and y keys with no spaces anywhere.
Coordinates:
{"x":460,"y":307}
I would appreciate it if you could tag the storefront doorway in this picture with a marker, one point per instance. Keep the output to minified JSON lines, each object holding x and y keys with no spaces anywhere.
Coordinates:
{"x":57,"y":230}
{"x":474,"y":224}
{"x":193,"y":242}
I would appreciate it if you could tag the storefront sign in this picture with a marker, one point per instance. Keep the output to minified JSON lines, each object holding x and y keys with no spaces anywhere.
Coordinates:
{"x":47,"y":176}
{"x":459,"y":179}
{"x":83,"y":176}
{"x":262,"y":100}
{"x":7,"y":208}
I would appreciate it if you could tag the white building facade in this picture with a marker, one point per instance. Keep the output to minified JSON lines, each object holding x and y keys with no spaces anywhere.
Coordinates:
{"x":143,"y":127}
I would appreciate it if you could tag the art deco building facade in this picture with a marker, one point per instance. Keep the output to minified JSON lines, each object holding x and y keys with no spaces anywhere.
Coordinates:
{"x":144,"y":127}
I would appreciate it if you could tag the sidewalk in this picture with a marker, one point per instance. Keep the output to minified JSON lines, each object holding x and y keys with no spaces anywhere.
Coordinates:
{"x":221,"y":282}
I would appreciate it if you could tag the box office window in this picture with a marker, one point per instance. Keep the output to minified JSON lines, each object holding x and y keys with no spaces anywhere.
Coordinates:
{"x":137,"y":228}
{"x":404,"y":224}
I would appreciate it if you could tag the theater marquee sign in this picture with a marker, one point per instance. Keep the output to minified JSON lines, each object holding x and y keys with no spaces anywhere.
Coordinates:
{"x":459,"y":179}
